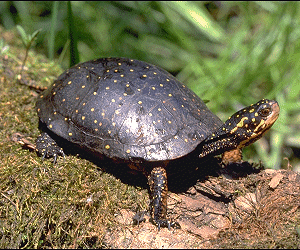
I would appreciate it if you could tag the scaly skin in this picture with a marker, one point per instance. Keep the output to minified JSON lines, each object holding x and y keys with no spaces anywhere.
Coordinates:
{"x":47,"y":147}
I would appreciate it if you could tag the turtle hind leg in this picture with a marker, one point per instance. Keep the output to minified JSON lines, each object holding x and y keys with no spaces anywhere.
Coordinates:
{"x":47,"y":147}
{"x":157,"y":181}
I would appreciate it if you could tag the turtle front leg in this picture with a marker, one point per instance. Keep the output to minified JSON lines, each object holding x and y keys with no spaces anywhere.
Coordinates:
{"x":157,"y":181}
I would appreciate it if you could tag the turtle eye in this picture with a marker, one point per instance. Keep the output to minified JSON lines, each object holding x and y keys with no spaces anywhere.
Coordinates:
{"x":265,"y":111}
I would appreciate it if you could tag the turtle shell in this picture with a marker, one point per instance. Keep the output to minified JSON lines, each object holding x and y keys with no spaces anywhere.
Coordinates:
{"x":126,"y":109}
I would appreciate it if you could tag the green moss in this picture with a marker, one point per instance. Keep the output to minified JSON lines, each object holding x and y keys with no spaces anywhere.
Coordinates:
{"x":69,"y":204}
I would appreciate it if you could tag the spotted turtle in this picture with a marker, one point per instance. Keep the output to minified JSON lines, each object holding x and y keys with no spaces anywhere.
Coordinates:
{"x":136,"y":112}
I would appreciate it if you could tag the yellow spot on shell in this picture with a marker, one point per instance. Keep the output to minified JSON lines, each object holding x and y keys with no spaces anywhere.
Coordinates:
{"x":95,"y":121}
{"x":70,"y":134}
{"x":128,"y":151}
{"x":69,"y":82}
{"x":140,"y":102}
{"x":83,"y":117}
{"x":107,"y":146}
{"x":83,"y":86}
{"x":50,"y":126}
{"x":113,"y":100}
{"x":92,"y":109}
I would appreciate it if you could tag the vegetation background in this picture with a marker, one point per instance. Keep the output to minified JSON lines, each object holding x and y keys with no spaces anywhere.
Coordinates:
{"x":230,"y":53}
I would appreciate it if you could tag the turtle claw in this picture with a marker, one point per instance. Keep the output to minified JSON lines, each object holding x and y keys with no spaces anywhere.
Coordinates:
{"x":165,"y":223}
{"x":175,"y":224}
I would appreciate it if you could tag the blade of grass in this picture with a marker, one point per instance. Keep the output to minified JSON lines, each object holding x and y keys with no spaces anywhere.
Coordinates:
{"x":199,"y":17}
{"x":74,"y":55}
{"x":52,"y":30}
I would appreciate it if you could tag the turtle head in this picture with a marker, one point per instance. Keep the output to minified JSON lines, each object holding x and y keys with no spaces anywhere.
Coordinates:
{"x":242,"y":128}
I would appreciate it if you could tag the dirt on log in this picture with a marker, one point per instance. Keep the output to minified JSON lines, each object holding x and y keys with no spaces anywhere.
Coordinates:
{"x":257,"y":211}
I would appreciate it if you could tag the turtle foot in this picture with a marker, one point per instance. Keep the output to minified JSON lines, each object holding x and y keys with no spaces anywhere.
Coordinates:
{"x":47,"y":147}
